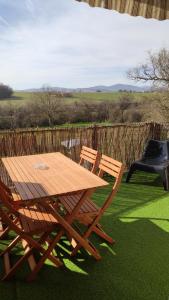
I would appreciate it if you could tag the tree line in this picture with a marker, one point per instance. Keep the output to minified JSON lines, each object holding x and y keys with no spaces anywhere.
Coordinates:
{"x":48,"y":109}
{"x":5,"y":91}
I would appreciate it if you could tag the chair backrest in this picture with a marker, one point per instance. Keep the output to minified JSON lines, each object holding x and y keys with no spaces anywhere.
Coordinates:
{"x":5,"y":194}
{"x":114,"y":168}
{"x":6,"y":209}
{"x":91,"y":156}
{"x":156,"y":150}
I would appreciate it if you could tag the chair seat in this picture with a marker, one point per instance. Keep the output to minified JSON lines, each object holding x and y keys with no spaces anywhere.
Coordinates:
{"x":155,"y":159}
{"x":36,"y":219}
{"x":151,"y":165}
{"x":70,"y":201}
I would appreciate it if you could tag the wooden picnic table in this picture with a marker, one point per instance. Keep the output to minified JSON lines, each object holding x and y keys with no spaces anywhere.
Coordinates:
{"x":47,"y":175}
{"x":41,"y":176}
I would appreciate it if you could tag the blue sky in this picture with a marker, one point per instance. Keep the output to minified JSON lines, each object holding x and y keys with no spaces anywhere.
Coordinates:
{"x":69,"y":44}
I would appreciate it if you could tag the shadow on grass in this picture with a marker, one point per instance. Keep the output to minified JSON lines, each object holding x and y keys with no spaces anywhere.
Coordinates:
{"x":144,"y":178}
{"x":132,"y":195}
{"x":12,"y":98}
{"x":16,"y":98}
{"x":134,"y":268}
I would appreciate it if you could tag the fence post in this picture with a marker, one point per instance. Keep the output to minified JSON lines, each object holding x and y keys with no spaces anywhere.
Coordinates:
{"x":152,"y":130}
{"x":156,"y":131}
{"x":95,"y":137}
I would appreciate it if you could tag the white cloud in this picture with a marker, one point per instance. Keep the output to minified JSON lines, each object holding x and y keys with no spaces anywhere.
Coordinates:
{"x":75,"y":46}
{"x":30,"y":6}
{"x":3,"y":21}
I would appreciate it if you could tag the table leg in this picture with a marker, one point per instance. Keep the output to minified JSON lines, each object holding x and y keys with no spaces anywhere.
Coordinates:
{"x":66,"y":224}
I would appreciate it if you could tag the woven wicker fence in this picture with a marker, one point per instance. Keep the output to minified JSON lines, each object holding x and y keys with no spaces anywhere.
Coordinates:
{"x":124,"y":142}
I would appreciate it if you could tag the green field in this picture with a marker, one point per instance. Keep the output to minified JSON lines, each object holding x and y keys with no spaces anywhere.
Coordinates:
{"x":20,"y":98}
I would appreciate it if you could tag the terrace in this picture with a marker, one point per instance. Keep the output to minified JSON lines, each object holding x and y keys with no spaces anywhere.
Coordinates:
{"x":136,"y":266}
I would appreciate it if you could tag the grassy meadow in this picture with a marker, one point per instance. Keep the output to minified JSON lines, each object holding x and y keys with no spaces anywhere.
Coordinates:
{"x":20,"y":98}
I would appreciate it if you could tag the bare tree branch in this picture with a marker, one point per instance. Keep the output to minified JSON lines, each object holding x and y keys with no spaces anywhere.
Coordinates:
{"x":156,"y":70}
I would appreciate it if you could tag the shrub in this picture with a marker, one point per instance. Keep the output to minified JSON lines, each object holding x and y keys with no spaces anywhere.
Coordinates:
{"x":5,"y":91}
{"x":133,"y":115}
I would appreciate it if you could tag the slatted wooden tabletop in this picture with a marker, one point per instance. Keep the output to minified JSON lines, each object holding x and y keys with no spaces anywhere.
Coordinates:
{"x":61,"y":175}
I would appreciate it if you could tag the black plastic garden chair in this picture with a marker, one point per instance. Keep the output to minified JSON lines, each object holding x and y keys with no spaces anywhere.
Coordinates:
{"x":155,"y":159}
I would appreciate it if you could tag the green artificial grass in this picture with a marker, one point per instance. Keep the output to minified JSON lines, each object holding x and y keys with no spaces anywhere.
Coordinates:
{"x":135,"y":268}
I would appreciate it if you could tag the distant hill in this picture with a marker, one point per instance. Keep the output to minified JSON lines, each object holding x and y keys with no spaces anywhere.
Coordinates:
{"x":98,"y":88}
{"x":113,"y":88}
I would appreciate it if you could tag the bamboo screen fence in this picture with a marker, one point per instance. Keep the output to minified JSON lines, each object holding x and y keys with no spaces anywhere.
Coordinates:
{"x":158,"y":9}
{"x":124,"y":142}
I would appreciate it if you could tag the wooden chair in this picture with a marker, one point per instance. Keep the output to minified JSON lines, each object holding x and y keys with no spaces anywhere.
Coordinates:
{"x":90,"y":156}
{"x":4,"y":228}
{"x":87,"y":156}
{"x":89,"y":213}
{"x":64,"y":227}
{"x":28,"y":222}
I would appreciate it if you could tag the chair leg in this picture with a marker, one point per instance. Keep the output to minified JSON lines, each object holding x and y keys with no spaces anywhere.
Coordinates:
{"x":4,"y":232}
{"x":165,"y":179}
{"x":86,"y":234}
{"x":16,"y":266}
{"x":11,"y":245}
{"x":103,"y":235}
{"x":5,"y":229}
{"x":10,"y":270}
{"x":46,"y":255}
{"x":130,"y":173}
{"x":66,"y":224}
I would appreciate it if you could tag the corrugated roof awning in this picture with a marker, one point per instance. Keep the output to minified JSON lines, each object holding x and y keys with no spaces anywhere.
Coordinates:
{"x":157,"y":9}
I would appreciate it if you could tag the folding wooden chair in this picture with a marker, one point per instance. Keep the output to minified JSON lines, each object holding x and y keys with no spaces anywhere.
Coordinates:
{"x":90,"y":156}
{"x":13,"y":199}
{"x":33,"y":226}
{"x":89,"y":213}
{"x":4,"y":228}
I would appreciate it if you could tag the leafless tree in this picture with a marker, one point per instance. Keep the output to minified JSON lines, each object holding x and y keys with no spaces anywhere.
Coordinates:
{"x":48,"y":104}
{"x":155,"y":70}
{"x":11,"y":113}
{"x":124,"y":103}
